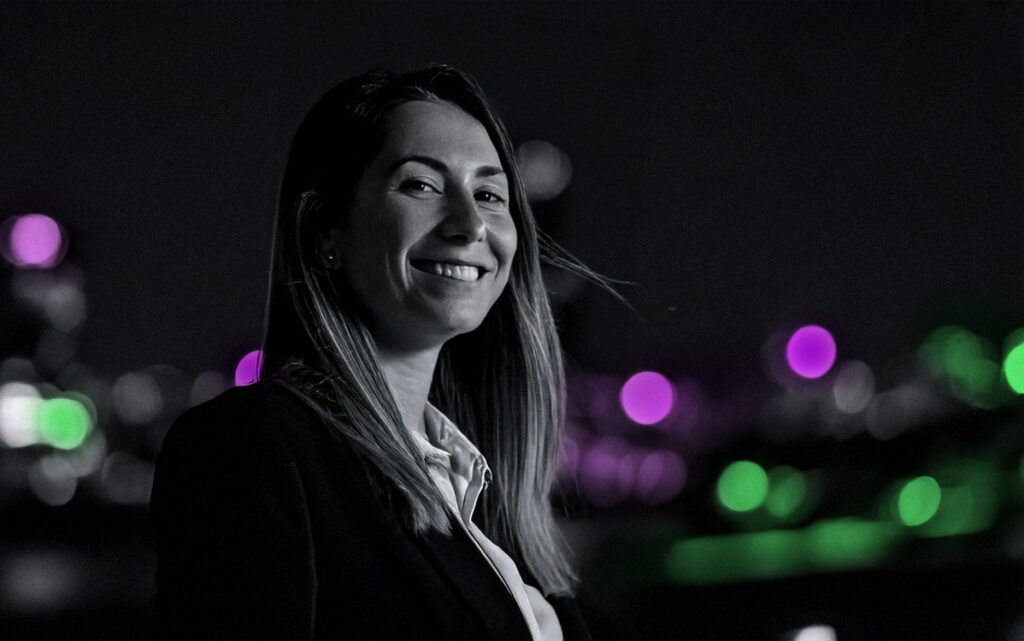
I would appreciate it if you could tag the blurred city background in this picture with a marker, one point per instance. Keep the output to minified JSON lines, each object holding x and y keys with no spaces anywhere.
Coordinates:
{"x":810,"y":426}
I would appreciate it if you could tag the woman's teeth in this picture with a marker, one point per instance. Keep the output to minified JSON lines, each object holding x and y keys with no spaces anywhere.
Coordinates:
{"x":458,"y":272}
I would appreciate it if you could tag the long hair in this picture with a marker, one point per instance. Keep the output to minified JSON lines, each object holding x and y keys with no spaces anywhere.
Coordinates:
{"x":503,"y":383}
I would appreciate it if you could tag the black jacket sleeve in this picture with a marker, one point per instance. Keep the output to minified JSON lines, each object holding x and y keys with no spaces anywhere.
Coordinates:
{"x":236,"y":558}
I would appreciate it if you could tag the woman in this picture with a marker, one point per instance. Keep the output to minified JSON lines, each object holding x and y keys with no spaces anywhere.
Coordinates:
{"x":389,"y":476}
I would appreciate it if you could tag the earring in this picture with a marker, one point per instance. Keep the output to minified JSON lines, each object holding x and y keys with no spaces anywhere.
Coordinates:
{"x":328,"y":258}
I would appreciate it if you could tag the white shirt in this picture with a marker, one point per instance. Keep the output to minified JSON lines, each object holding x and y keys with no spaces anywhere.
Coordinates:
{"x":460,"y":472}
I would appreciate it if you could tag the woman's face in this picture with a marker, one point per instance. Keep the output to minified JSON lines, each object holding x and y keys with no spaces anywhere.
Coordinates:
{"x":428,"y":242}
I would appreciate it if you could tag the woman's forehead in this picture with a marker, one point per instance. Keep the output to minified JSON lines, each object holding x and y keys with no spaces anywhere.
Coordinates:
{"x":440,"y":130}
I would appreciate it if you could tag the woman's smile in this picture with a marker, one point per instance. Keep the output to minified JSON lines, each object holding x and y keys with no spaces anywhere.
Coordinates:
{"x":456,"y":270}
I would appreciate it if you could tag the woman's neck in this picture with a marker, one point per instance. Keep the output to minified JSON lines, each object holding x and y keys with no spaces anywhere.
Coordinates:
{"x":409,"y":374}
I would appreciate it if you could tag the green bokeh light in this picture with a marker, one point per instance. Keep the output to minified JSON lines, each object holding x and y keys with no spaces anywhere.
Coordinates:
{"x":919,"y":501}
{"x":743,"y":486}
{"x":968,"y":363}
{"x":961,"y":351}
{"x":787,"y":490}
{"x":957,"y":514}
{"x":969,"y":499}
{"x":1013,"y":368}
{"x":950,"y":349}
{"x":980,"y":377}
{"x":849,"y":542}
{"x":64,"y":423}
{"x":824,"y":546}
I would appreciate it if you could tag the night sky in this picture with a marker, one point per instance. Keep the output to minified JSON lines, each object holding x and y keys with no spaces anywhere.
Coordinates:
{"x":751,"y":166}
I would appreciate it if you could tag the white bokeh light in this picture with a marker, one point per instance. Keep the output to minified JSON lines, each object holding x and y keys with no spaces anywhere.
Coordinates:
{"x":137,"y":398}
{"x":20,"y":404}
{"x":854,"y":387}
{"x":546,"y":170}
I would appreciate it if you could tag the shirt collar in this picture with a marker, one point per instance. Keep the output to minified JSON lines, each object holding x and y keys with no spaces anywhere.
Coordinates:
{"x":448,"y":448}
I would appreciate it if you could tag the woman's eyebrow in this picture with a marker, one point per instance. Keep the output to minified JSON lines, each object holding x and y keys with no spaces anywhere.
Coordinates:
{"x":483,"y":171}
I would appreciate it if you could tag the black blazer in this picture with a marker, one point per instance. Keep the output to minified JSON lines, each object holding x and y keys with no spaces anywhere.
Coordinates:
{"x":267,"y":526}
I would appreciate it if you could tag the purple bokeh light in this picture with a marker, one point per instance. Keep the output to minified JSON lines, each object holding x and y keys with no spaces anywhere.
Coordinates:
{"x":600,"y":472}
{"x":248,"y":370}
{"x":660,"y":477}
{"x":647,"y":397}
{"x":35,"y":240}
{"x":811,"y":351}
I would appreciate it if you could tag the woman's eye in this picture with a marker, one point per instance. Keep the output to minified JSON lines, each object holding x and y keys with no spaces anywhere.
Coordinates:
{"x":419,"y":186}
{"x":490,"y":197}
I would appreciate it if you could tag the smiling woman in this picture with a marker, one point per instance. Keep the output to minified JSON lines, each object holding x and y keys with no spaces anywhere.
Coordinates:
{"x":389,"y":476}
{"x":428,"y":242}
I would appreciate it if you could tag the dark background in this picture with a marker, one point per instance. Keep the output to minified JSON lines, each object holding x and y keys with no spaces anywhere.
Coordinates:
{"x":751,"y":166}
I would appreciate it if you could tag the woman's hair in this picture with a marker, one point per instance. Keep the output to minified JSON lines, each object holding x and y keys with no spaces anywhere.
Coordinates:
{"x":503,"y":383}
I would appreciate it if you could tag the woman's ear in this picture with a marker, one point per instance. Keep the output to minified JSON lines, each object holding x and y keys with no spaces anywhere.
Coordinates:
{"x":330,"y":248}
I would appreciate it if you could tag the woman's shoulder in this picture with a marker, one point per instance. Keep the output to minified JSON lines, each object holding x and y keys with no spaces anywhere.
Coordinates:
{"x":263,"y":397}
{"x":244,"y":452}
{"x":264,"y":416}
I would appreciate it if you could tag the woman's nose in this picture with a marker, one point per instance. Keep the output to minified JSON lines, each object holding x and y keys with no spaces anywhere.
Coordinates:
{"x":462,"y":221}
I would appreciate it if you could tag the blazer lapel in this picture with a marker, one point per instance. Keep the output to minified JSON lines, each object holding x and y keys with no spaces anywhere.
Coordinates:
{"x":457,"y":558}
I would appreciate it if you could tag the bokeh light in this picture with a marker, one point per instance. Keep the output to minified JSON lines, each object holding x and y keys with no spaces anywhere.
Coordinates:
{"x":787,"y":490}
{"x":825,"y":545}
{"x":811,"y":351}
{"x":545,"y":169}
{"x":206,"y":386}
{"x":600,"y":474}
{"x":968,"y":363}
{"x":660,"y":477}
{"x":34,"y":240}
{"x":64,"y":305}
{"x":629,"y":467}
{"x":689,"y":409}
{"x":742,"y":486}
{"x":735,"y":557}
{"x":919,"y":501}
{"x":647,"y":397}
{"x":64,"y":423}
{"x":88,"y":457}
{"x":137,"y":398}
{"x":900,"y":409}
{"x":1013,"y":368}
{"x":125,"y":479}
{"x":39,"y":580}
{"x":969,"y":499}
{"x":52,"y":479}
{"x":958,"y":513}
{"x":815,"y":633}
{"x":18,"y":368}
{"x":854,"y":387}
{"x":849,"y":542}
{"x":951,"y":349}
{"x":247,"y":371}
{"x":20,"y":404}
{"x":57,"y":296}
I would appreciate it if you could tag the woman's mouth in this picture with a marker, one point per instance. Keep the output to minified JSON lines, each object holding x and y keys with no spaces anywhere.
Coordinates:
{"x":448,"y":270}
